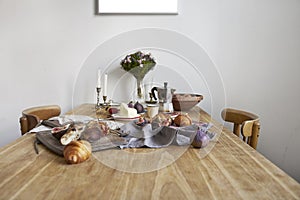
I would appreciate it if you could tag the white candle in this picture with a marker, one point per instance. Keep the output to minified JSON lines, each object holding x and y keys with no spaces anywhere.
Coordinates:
{"x":105,"y":85}
{"x":99,"y":79}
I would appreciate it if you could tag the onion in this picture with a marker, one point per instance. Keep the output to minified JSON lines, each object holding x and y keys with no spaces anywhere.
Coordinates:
{"x":201,"y":139}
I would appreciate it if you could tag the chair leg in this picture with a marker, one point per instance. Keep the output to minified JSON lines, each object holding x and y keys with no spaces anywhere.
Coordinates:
{"x":23,"y":125}
{"x":236,"y":129}
{"x":244,"y":138}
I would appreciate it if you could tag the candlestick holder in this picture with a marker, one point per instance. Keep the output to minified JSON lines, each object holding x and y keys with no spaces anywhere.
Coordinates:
{"x":104,"y":100}
{"x":98,"y":90}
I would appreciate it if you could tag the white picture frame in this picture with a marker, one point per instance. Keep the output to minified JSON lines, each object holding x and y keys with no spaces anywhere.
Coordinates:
{"x":138,"y":6}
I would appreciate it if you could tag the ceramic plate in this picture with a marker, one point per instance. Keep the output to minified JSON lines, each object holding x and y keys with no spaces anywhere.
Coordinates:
{"x":75,"y":118}
{"x":124,"y":118}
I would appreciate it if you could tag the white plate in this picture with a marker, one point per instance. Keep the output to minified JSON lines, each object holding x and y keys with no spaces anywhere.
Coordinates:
{"x":124,"y":118}
{"x":75,"y":118}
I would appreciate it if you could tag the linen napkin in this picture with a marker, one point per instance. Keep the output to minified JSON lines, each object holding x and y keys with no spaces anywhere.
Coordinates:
{"x":153,"y":136}
{"x":62,"y":120}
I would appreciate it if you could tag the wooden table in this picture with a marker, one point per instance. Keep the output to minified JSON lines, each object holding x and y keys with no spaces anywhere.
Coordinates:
{"x":230,"y":170}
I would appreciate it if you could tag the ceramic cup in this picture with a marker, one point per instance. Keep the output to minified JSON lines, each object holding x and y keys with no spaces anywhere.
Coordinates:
{"x":152,"y":110}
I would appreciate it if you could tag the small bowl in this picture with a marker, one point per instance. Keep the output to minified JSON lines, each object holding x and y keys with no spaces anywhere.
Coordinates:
{"x":184,"y":102}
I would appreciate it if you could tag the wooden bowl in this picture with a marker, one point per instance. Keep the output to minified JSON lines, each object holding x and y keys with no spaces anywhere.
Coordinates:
{"x":184,"y":102}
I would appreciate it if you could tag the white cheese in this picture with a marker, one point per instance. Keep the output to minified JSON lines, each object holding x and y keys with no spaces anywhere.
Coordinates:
{"x":125,"y":111}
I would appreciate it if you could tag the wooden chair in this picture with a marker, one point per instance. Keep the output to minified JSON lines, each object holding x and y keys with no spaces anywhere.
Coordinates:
{"x":32,"y":116}
{"x":245,"y":123}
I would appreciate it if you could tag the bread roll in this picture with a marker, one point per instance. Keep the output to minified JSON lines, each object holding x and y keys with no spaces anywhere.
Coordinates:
{"x":183,"y":120}
{"x":162,"y":119}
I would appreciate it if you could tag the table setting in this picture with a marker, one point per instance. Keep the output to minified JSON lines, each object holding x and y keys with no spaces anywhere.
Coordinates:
{"x":140,"y":131}
{"x":158,"y":122}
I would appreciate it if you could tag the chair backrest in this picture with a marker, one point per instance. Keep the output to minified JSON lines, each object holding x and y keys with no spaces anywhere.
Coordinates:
{"x":245,"y":123}
{"x":32,"y":116}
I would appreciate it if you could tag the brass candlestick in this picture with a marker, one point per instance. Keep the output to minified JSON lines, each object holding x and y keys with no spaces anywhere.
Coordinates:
{"x":104,"y":100}
{"x":98,"y":90}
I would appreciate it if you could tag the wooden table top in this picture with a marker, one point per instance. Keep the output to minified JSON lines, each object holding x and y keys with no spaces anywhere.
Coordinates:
{"x":226,"y":169}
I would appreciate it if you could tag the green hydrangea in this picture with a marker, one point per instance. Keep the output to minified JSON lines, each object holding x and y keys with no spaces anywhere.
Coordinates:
{"x":138,"y":64}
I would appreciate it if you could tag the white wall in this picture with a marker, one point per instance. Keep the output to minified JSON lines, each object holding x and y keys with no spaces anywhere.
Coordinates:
{"x":254,"y":44}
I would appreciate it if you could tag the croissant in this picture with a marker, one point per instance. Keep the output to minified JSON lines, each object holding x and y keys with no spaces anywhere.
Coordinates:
{"x":182,"y":120}
{"x":77,"y":151}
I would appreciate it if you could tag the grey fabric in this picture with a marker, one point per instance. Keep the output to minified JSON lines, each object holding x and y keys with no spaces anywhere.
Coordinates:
{"x":154,"y":136}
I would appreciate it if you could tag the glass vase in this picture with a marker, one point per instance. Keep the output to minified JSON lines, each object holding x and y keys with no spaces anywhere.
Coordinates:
{"x":139,"y":73}
{"x":140,"y":90}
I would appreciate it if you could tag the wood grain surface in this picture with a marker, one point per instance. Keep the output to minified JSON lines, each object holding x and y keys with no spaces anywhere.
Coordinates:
{"x":227,"y":169}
